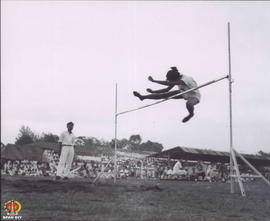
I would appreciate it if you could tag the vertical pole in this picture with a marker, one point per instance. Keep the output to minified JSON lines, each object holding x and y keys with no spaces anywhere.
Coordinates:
{"x":230,"y":103}
{"x":233,"y":161}
{"x":115,"y":136}
{"x":141,"y":169}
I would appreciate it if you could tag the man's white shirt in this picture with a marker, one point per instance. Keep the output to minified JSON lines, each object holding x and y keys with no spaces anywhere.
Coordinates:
{"x":67,"y":138}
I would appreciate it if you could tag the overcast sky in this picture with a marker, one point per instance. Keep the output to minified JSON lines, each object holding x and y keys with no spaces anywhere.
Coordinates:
{"x":61,"y":61}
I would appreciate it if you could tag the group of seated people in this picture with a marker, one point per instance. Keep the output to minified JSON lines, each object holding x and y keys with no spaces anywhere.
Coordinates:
{"x":147,"y":168}
{"x":169,"y":170}
{"x":196,"y":171}
{"x":24,"y":168}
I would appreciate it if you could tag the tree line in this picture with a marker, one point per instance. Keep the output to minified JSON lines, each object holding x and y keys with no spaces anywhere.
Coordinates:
{"x":134,"y":143}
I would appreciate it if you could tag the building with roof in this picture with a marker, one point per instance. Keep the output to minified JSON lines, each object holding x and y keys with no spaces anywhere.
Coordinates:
{"x":186,"y":153}
{"x":34,"y":151}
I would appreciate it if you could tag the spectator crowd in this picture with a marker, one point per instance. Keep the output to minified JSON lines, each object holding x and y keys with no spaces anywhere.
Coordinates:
{"x":146,"y":168}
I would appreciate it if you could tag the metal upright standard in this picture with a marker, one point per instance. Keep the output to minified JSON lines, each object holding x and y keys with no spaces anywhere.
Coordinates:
{"x":115,"y":136}
{"x":234,"y":170}
{"x":230,"y":105}
{"x":233,"y":161}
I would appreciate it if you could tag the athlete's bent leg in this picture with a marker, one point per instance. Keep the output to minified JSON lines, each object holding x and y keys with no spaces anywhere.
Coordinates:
{"x":190,"y":107}
{"x":156,"y":96}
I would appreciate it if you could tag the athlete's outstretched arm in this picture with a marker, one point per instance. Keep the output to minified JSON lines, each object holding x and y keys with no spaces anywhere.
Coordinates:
{"x":167,"y":83}
{"x":164,"y":90}
{"x":159,"y":82}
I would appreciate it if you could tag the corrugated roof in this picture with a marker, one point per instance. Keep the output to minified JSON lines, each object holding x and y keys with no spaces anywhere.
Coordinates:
{"x":203,"y":151}
{"x":207,"y":155}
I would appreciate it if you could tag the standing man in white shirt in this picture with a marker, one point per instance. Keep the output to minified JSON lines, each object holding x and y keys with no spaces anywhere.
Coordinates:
{"x":183,"y":82}
{"x":66,"y":144}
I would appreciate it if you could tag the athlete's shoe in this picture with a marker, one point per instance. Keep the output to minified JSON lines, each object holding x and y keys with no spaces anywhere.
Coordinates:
{"x":137,"y":94}
{"x":187,"y":118}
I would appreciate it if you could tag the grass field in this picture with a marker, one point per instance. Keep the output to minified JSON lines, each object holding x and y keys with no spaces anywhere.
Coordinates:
{"x":43,"y":198}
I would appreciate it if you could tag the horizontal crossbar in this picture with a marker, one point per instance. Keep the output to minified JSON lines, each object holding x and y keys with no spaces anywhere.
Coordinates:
{"x":180,"y":93}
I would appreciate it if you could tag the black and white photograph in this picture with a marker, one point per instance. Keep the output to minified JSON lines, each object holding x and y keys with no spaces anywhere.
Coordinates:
{"x":135,"y":110}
